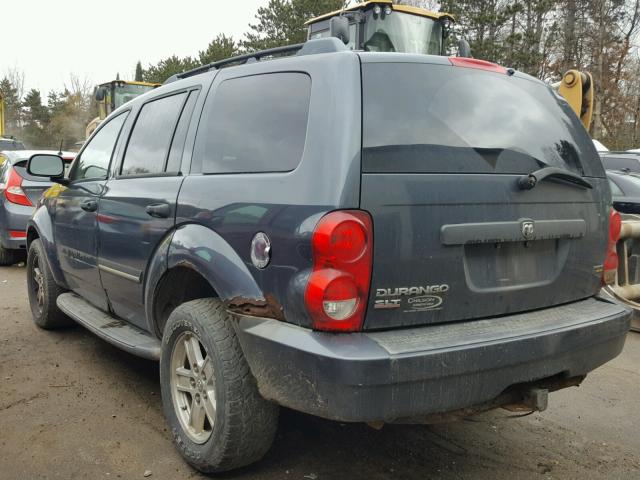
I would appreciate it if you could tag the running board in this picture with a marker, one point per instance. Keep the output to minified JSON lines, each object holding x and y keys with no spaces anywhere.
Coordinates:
{"x":115,"y":331}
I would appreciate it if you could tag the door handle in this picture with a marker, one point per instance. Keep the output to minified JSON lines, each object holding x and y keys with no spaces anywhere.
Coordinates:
{"x":159,"y":210}
{"x":89,"y":205}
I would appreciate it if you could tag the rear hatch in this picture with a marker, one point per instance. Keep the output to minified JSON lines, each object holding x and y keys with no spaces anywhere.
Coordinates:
{"x":455,"y":237}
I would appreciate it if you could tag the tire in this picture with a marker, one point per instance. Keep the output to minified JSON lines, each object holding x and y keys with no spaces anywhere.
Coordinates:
{"x":43,"y":291}
{"x":244,"y":424}
{"x":8,"y":257}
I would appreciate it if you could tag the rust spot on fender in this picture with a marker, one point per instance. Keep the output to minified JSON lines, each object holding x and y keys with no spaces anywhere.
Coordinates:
{"x":267,"y":308}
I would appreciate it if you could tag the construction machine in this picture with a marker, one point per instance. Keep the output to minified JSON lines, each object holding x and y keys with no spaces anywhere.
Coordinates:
{"x":577,"y":89}
{"x":112,"y":95}
{"x":383,"y":26}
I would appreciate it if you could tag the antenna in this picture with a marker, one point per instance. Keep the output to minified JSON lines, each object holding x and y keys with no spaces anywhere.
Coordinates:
{"x":60,"y":149}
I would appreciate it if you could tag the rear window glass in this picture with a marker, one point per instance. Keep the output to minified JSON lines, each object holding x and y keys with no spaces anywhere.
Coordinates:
{"x":11,"y":145}
{"x":255,"y":124}
{"x":442,"y":119}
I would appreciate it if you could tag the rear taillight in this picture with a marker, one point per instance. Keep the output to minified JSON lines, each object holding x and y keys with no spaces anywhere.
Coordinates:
{"x":13,"y":190}
{"x":610,"y":266}
{"x":338,"y":288}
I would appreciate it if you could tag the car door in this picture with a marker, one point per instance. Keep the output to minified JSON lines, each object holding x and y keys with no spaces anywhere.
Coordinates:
{"x":75,"y":225}
{"x":137,"y":209}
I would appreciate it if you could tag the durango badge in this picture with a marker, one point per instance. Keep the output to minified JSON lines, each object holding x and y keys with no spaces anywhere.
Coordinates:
{"x":411,"y":299}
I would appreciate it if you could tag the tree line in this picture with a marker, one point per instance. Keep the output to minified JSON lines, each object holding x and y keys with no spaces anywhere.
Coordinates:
{"x":543,"y":38}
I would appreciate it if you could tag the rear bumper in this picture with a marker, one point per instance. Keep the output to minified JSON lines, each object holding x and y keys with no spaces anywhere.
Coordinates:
{"x":400,"y":374}
{"x":13,"y":218}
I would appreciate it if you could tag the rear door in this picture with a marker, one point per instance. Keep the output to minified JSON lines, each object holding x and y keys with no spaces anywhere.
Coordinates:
{"x":456,"y":238}
{"x":138,"y":207}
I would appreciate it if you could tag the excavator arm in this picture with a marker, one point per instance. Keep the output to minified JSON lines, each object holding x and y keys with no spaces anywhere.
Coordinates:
{"x":577,"y":89}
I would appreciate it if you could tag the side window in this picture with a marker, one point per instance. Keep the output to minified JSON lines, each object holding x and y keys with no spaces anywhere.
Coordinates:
{"x":177,"y":146}
{"x":255,"y":124}
{"x":151,"y":137}
{"x":94,"y":161}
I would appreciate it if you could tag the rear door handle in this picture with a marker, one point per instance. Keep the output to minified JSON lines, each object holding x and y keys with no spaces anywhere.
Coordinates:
{"x":159,"y":210}
{"x":89,"y":205}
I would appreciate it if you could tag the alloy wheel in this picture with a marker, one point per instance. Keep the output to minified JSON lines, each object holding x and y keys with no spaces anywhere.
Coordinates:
{"x":193,"y":387}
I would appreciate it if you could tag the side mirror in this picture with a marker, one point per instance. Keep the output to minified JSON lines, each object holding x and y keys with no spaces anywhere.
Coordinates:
{"x":464,"y":49}
{"x":100,"y":94}
{"x":46,"y":165}
{"x":339,"y":28}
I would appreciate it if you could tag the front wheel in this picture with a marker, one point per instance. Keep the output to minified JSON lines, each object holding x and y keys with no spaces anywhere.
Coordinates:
{"x":217,"y":417}
{"x":43,"y":290}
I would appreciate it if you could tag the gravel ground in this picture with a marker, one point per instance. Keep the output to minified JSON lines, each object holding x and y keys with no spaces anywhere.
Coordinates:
{"x":73,"y":407}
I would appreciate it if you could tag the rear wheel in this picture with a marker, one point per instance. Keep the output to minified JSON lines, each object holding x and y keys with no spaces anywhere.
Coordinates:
{"x":9,"y":257}
{"x":217,"y":417}
{"x":43,"y":291}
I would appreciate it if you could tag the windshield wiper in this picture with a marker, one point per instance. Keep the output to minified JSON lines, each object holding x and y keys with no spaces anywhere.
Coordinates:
{"x":528,"y":182}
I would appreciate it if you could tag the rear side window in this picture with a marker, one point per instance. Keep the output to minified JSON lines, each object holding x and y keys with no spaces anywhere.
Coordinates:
{"x":255,"y":124}
{"x":152,"y":134}
{"x":621,"y":163}
{"x":10,"y":145}
{"x":423,"y":118}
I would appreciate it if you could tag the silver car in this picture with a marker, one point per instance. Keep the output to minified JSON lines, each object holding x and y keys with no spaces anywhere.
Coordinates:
{"x":19,"y":193}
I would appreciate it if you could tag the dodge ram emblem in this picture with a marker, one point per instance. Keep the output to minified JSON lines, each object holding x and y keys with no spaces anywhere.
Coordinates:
{"x":528,"y":229}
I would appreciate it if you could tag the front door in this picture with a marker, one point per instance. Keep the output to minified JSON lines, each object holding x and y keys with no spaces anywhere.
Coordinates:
{"x":137,"y":209}
{"x":75,"y":225}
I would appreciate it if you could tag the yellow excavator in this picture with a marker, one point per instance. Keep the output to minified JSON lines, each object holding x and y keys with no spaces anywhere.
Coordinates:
{"x":577,"y":89}
{"x":112,"y":95}
{"x":382,"y":26}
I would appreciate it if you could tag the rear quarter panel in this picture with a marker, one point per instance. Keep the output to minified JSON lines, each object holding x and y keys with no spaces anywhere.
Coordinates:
{"x":285,"y":206}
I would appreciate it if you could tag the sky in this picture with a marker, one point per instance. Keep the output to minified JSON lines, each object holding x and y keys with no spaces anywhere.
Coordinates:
{"x":49,"y":40}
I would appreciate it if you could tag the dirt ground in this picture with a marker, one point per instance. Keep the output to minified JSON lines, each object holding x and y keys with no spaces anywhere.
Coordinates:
{"x":73,"y":407}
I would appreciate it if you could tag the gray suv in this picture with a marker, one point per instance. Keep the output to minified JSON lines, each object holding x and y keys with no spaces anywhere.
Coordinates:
{"x":365,"y":237}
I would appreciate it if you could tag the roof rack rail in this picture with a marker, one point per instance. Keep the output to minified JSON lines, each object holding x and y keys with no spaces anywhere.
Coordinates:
{"x":311,"y":47}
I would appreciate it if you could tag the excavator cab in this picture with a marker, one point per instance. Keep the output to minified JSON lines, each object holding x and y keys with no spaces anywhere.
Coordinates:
{"x":112,"y":95}
{"x":382,"y":26}
{"x":116,"y":93}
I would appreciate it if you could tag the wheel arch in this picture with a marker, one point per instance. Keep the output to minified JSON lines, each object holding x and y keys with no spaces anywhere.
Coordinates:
{"x":41,"y":227}
{"x":196,"y":262}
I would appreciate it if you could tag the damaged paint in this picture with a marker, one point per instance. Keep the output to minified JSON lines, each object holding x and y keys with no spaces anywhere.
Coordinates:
{"x":267,"y":308}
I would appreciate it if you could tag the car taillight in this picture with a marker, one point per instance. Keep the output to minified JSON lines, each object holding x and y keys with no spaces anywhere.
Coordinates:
{"x":13,"y":190}
{"x":610,"y":266}
{"x":338,"y":287}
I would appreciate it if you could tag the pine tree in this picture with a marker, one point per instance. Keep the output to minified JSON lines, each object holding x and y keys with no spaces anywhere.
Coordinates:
{"x":138,"y":76}
{"x":36,"y":118}
{"x":12,"y":114}
{"x":166,"y":68}
{"x":281,"y":22}
{"x":220,"y":48}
